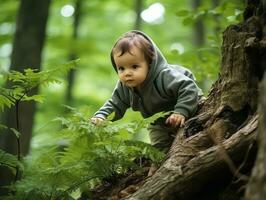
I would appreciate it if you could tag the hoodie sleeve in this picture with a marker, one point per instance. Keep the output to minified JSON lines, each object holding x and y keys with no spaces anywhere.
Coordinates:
{"x":184,"y":90}
{"x":118,"y":103}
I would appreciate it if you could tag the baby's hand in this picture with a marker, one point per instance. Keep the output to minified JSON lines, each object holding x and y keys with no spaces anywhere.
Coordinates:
{"x":96,"y":120}
{"x":176,"y":120}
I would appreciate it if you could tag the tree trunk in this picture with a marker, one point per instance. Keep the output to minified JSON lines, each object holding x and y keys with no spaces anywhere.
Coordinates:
{"x":73,"y":54}
{"x":217,"y":27}
{"x":190,"y":172}
{"x":138,"y":9}
{"x":198,"y":28}
{"x":222,"y":145}
{"x":256,"y":189}
{"x":27,"y":48}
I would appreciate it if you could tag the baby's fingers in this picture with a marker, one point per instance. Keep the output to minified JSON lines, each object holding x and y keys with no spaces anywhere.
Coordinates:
{"x":96,"y":120}
{"x":182,"y":122}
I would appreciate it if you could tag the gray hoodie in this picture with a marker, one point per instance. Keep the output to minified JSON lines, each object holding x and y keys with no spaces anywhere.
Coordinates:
{"x":166,"y":88}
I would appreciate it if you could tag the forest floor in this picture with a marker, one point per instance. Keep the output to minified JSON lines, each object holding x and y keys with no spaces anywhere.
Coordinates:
{"x":120,"y":186}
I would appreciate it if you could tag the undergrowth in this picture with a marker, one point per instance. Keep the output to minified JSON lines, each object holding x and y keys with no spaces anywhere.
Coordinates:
{"x":83,"y":156}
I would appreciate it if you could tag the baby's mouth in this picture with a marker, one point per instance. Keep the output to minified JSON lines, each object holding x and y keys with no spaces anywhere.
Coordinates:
{"x":129,"y":81}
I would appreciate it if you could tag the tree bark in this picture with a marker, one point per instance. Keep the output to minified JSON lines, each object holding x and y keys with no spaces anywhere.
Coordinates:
{"x":198,"y":28}
{"x":73,"y":54}
{"x":217,"y":27}
{"x":138,"y":10}
{"x":185,"y":175}
{"x":224,"y":130}
{"x":256,"y":189}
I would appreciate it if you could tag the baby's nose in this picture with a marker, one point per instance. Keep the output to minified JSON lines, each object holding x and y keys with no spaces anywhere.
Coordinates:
{"x":128,"y":72}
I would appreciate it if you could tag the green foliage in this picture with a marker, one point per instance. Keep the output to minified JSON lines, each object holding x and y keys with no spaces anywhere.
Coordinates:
{"x":205,"y":59}
{"x":228,"y":12}
{"x":9,"y":161}
{"x":22,"y":83}
{"x":83,"y":156}
{"x":20,"y":87}
{"x":5,"y":100}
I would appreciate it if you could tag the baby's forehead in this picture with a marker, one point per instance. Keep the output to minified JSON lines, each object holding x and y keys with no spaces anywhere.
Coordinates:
{"x":132,"y":49}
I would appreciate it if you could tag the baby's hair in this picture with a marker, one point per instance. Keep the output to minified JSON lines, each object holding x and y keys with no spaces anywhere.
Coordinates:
{"x":131,"y":39}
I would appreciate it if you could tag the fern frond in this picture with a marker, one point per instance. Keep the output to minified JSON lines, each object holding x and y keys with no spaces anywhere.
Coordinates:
{"x":2,"y":126}
{"x":51,"y":76}
{"x":9,"y":160}
{"x":85,"y":155}
{"x":37,"y":98}
{"x":16,"y":132}
{"x":23,"y":82}
{"x":31,"y":78}
{"x":6,"y":98}
{"x":144,"y":150}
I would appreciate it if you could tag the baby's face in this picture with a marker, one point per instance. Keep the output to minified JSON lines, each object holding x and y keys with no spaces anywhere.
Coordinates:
{"x":132,"y":67}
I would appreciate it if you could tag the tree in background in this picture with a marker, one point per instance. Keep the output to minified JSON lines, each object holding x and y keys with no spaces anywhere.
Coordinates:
{"x":73,"y":55}
{"x":217,"y":27}
{"x":138,"y":10}
{"x":28,"y":44}
{"x":198,"y":28}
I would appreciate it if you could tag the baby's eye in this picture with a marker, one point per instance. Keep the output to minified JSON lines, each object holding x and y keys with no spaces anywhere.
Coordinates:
{"x":120,"y":69}
{"x":135,"y":66}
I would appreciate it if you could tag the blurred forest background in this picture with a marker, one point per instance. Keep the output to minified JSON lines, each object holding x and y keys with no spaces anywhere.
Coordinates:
{"x":189,"y":33}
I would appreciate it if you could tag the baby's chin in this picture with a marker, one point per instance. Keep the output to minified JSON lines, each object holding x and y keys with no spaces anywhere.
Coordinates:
{"x":130,"y":84}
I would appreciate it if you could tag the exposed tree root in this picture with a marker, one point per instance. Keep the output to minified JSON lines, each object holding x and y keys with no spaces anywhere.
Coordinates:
{"x":185,"y":173}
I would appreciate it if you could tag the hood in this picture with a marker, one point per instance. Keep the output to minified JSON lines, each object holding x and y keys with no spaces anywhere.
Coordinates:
{"x":159,"y":62}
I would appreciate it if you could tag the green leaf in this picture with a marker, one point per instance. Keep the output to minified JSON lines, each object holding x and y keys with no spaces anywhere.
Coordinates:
{"x":17,"y":134}
{"x":3,"y":127}
{"x":182,"y":13}
{"x":38,"y":98}
{"x":188,"y":20}
{"x":5,"y":102}
{"x":217,"y":10}
{"x":8,"y":160}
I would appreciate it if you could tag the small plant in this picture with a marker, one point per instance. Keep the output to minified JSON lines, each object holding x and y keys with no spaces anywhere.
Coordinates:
{"x":19,"y":88}
{"x":85,"y":155}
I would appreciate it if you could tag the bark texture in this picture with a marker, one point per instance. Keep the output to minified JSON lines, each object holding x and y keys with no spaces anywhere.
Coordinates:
{"x":222,"y":146}
{"x":186,"y":176}
{"x":73,"y":55}
{"x":256,"y":189}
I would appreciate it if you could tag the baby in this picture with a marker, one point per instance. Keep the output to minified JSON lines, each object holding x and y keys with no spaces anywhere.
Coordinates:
{"x":148,"y":84}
